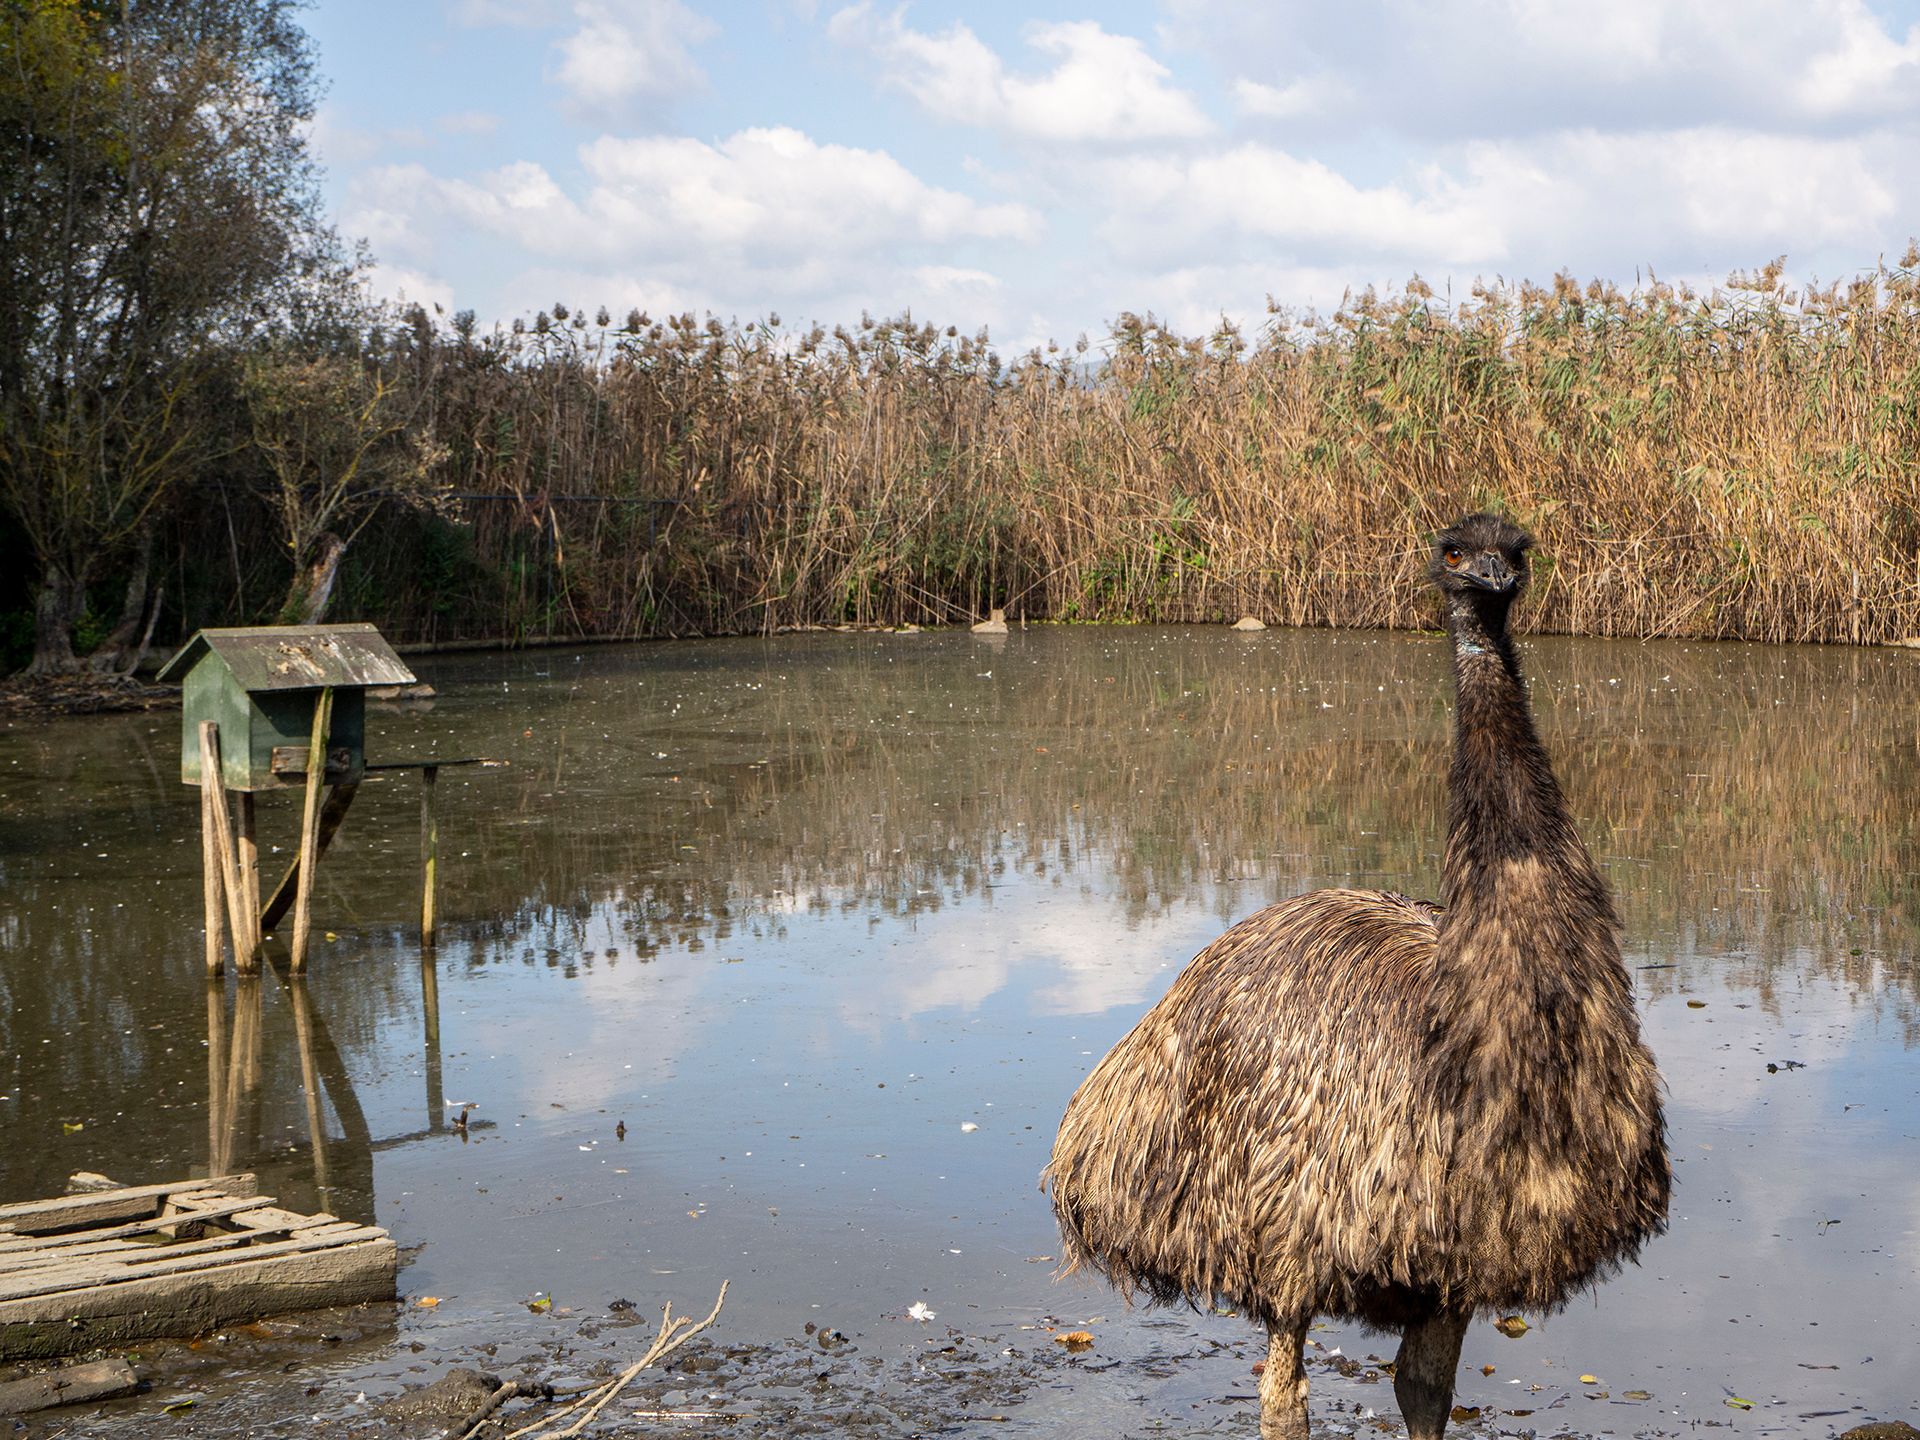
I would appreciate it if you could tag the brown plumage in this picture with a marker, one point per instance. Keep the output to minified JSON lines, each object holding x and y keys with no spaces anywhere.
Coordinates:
{"x":1360,"y":1105}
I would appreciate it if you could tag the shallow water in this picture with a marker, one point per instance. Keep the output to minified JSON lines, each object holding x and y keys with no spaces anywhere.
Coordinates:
{"x":801,"y":911}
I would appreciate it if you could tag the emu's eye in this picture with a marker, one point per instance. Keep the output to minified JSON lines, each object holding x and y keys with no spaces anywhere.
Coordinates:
{"x":1451,"y":555}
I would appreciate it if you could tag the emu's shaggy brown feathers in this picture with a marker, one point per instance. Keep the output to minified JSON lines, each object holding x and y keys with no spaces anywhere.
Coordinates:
{"x":1270,"y":1134}
{"x":1214,"y":1151}
{"x":1357,"y":1104}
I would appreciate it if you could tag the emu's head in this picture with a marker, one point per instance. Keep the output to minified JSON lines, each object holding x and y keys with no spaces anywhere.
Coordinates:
{"x":1481,"y":559}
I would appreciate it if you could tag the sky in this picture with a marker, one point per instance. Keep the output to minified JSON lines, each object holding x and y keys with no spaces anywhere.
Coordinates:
{"x":1041,"y":169}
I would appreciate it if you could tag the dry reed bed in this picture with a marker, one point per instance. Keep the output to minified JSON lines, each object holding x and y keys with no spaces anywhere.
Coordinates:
{"x":1744,"y":464}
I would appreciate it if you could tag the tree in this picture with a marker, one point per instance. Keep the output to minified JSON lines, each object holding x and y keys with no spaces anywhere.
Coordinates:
{"x":157,"y":205}
{"x":339,"y":435}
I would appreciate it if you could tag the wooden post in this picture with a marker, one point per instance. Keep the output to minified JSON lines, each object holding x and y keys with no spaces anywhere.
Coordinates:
{"x":309,"y":829}
{"x":247,"y":851}
{"x":211,"y":882}
{"x":429,"y":848}
{"x":246,"y":956}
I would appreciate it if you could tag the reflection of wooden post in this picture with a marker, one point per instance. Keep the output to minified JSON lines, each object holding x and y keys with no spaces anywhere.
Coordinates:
{"x":310,"y":1083}
{"x":247,"y":852}
{"x":210,"y":883}
{"x":429,"y":848}
{"x":309,"y":829}
{"x":217,"y":1151}
{"x":245,"y":955}
{"x":430,"y":1012}
{"x":243,"y":1064}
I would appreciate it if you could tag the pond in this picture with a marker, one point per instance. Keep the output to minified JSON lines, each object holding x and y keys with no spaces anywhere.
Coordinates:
{"x":833,"y":925}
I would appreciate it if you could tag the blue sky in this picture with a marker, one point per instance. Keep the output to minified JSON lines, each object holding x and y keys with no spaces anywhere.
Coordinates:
{"x":1040,"y":169}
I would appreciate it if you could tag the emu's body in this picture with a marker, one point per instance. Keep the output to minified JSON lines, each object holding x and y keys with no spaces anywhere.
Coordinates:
{"x":1359,"y":1105}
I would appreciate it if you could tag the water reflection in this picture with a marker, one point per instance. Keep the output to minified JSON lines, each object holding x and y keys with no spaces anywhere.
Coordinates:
{"x":795,"y":910}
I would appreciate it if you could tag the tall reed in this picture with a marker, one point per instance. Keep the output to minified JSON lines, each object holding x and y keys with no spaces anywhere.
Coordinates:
{"x":1744,"y":463}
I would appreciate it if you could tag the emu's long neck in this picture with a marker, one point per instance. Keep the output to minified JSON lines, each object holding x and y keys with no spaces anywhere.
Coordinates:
{"x":1506,"y":816}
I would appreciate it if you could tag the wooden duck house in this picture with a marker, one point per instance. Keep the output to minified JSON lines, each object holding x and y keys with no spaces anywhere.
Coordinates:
{"x":260,"y":685}
{"x":263,"y":708}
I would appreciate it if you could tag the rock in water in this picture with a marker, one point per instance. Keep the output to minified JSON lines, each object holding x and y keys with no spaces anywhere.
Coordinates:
{"x":994,"y":624}
{"x":454,"y":1396}
{"x":1249,"y":622}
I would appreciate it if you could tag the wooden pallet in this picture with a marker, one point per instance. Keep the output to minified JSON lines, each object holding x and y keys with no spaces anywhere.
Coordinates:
{"x":132,"y":1263}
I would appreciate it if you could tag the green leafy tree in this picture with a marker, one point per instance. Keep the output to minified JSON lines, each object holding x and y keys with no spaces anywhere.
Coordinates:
{"x":157,"y":206}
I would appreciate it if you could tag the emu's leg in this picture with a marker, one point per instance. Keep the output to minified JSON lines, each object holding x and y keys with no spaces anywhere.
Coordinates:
{"x":1423,"y":1373}
{"x":1283,"y":1384}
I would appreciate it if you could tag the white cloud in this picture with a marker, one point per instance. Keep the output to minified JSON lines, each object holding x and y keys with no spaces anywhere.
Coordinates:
{"x":409,"y":287}
{"x":1166,"y":205}
{"x":1866,"y":71}
{"x":1311,"y":95}
{"x":629,"y":55}
{"x":1357,"y":144}
{"x":765,"y":219}
{"x":1423,"y":68}
{"x":1102,"y":87}
{"x":1609,"y":202}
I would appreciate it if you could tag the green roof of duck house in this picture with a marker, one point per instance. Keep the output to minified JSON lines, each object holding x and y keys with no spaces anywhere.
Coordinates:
{"x":260,"y":684}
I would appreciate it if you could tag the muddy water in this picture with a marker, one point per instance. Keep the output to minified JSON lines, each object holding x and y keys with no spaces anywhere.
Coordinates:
{"x":834,"y":924}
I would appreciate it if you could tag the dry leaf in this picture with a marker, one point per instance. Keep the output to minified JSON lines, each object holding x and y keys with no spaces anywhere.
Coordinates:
{"x":427,"y":1302}
{"x":1074,"y":1339}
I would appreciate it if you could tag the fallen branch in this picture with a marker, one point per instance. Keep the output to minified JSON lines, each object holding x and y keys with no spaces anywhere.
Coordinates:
{"x":672,"y":1335}
{"x":512,"y":1390}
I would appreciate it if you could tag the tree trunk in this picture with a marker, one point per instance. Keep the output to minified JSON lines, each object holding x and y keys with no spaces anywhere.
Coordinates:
{"x":117,"y":653}
{"x":312,"y":588}
{"x":56,"y":606}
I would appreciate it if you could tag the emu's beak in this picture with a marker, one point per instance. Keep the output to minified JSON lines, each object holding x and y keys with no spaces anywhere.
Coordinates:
{"x":1491,"y":572}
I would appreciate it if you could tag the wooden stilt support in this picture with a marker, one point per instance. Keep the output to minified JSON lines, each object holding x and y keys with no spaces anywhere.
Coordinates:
{"x":310,"y":829}
{"x":212,"y":884}
{"x":429,"y":847}
{"x":331,"y":814}
{"x":246,"y":956}
{"x":247,"y":853}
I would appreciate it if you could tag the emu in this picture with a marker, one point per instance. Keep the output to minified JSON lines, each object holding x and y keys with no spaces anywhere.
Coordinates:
{"x":1379,"y":1109}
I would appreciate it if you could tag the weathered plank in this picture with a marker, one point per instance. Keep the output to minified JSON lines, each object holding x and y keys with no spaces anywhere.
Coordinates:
{"x":145,"y":1261}
{"x":254,"y":1226}
{"x":211,"y":1209}
{"x":99,"y":1268}
{"x":243,"y":1286}
{"x":67,"y":1212}
{"x":271,"y":1218}
{"x":69,"y":1385}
